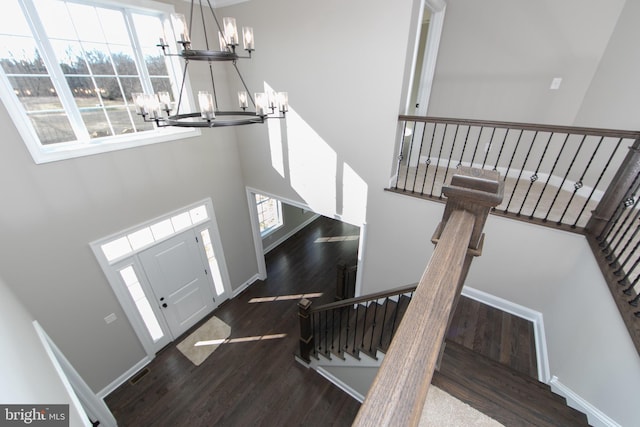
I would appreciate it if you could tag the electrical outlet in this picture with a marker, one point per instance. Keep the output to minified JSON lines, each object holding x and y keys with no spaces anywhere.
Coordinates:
{"x":110,"y":318}
{"x":555,"y":83}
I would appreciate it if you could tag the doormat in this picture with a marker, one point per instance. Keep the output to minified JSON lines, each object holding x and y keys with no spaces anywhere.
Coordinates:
{"x":204,"y":340}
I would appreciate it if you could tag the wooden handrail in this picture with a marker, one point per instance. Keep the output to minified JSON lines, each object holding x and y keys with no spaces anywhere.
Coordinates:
{"x":364,"y":298}
{"x":399,"y":390}
{"x":614,"y":133}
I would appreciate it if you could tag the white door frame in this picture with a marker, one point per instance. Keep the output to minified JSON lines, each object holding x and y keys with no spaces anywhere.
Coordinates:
{"x":119,"y":289}
{"x":436,"y":24}
{"x":257,"y":238}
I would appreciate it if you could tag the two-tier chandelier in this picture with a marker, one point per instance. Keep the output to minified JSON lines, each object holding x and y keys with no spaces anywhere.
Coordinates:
{"x":158,"y":108}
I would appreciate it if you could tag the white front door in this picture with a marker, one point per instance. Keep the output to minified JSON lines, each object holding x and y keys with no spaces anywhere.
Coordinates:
{"x":180,"y":280}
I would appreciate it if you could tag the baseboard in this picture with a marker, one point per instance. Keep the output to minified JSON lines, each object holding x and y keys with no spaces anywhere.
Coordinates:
{"x":340,"y":384}
{"x":124,"y":377}
{"x":245,"y":285}
{"x":289,"y":234}
{"x":544,"y":373}
{"x":596,"y":417}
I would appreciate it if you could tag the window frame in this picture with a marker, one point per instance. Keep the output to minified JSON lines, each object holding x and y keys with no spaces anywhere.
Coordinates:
{"x":42,"y":153}
{"x":279,"y":215}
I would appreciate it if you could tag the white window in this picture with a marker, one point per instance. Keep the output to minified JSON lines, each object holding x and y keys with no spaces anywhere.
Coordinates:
{"x":269,"y":214}
{"x":68,"y":69}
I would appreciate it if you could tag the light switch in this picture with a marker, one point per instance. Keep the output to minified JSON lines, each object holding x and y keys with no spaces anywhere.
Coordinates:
{"x":555,"y":83}
{"x":110,"y":318}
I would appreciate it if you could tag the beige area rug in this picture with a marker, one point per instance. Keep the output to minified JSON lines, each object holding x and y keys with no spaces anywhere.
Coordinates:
{"x":204,"y":340}
{"x":444,"y":410}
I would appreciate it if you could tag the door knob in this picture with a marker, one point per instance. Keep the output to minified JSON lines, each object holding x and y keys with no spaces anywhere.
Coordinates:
{"x":164,"y":305}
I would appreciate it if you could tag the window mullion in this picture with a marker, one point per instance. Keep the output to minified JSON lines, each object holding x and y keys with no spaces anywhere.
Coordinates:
{"x":138,"y":54}
{"x":57,"y":76}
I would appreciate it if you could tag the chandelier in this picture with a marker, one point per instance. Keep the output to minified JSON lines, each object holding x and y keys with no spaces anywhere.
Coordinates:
{"x":157,"y":108}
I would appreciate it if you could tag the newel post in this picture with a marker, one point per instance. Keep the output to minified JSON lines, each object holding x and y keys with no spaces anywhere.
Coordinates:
{"x":617,"y":191}
{"x":475,"y":191}
{"x":306,"y":332}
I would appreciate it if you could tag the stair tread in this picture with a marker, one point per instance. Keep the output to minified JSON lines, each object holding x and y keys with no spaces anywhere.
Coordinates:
{"x":501,"y":392}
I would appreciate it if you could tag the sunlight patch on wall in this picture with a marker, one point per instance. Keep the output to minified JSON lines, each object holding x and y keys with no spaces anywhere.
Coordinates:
{"x":275,"y":140}
{"x":312,"y":165}
{"x":354,"y":196}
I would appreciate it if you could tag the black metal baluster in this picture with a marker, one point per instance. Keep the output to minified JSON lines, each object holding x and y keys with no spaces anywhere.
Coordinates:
{"x":313,"y":334}
{"x":488,"y":148}
{"x":506,"y":175}
{"x":475,"y":150}
{"x":333,"y":329}
{"x":628,"y":290}
{"x":406,"y":175}
{"x":364,"y":325}
{"x":553,"y":168}
{"x":346,"y":339}
{"x":435,"y":175}
{"x":373,"y":325}
{"x":613,"y":221}
{"x":415,"y":178}
{"x":504,"y":141}
{"x":614,"y":247}
{"x":428,"y":161}
{"x":535,"y":177}
{"x":400,"y":156}
{"x":575,"y":156}
{"x":620,"y":269}
{"x":578,"y":185}
{"x":524,"y":164}
{"x":453,"y":144}
{"x":597,"y":182}
{"x":627,"y":203}
{"x":464,"y":146}
{"x":326,"y":333}
{"x":384,"y":319}
{"x":355,"y":329}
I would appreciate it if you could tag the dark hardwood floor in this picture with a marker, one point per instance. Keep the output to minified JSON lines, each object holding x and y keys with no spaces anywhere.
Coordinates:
{"x":256,"y":381}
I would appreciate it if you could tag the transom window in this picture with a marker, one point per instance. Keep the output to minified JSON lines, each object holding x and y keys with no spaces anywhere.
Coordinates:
{"x":68,"y":70}
{"x":269,"y":214}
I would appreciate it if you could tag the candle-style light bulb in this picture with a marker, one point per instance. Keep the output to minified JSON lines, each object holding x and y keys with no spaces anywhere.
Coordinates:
{"x":247,"y":38}
{"x":205,"y":99}
{"x":180,"y":27}
{"x":230,"y":31}
{"x":243,"y":99}
{"x":165,"y":100}
{"x":262,"y":102}
{"x":138,"y":102}
{"x":223,"y":42}
{"x":283,"y":102}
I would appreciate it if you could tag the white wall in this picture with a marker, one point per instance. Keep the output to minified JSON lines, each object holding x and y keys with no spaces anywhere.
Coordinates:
{"x":612,"y":98}
{"x":497,"y":58}
{"x":28,"y":375}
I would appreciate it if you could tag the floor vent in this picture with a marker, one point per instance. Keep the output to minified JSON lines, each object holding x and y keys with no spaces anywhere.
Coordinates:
{"x":137,"y":377}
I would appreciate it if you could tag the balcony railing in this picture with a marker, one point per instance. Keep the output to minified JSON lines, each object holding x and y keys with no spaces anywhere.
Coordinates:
{"x":554,"y":175}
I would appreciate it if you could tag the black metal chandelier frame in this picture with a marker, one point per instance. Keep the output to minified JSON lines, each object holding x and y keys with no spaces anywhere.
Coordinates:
{"x":266,"y":105}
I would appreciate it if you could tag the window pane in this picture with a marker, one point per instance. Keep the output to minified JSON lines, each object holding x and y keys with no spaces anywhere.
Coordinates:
{"x":149,"y":30}
{"x":19,"y":55}
{"x":70,"y":57}
{"x":130,"y":85}
{"x":140,"y":238}
{"x":99,"y":58}
{"x":181,"y":221}
{"x":36,"y":93}
{"x":162,"y":229}
{"x":123,"y":60}
{"x":55,"y":19}
{"x":12,"y":21}
{"x":116,"y":248}
{"x":84,"y":91}
{"x":156,"y":63}
{"x":52,"y":127}
{"x":121,"y":120}
{"x":114,"y":26}
{"x":162,"y":85}
{"x":96,"y":121}
{"x":109,"y":91}
{"x":86,"y":22}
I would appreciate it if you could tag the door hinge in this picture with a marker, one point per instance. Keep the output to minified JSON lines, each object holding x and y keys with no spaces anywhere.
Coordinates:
{"x":197,"y":239}
{"x":205,"y":271}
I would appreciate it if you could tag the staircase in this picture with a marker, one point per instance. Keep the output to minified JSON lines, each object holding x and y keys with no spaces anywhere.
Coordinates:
{"x":366,"y":325}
